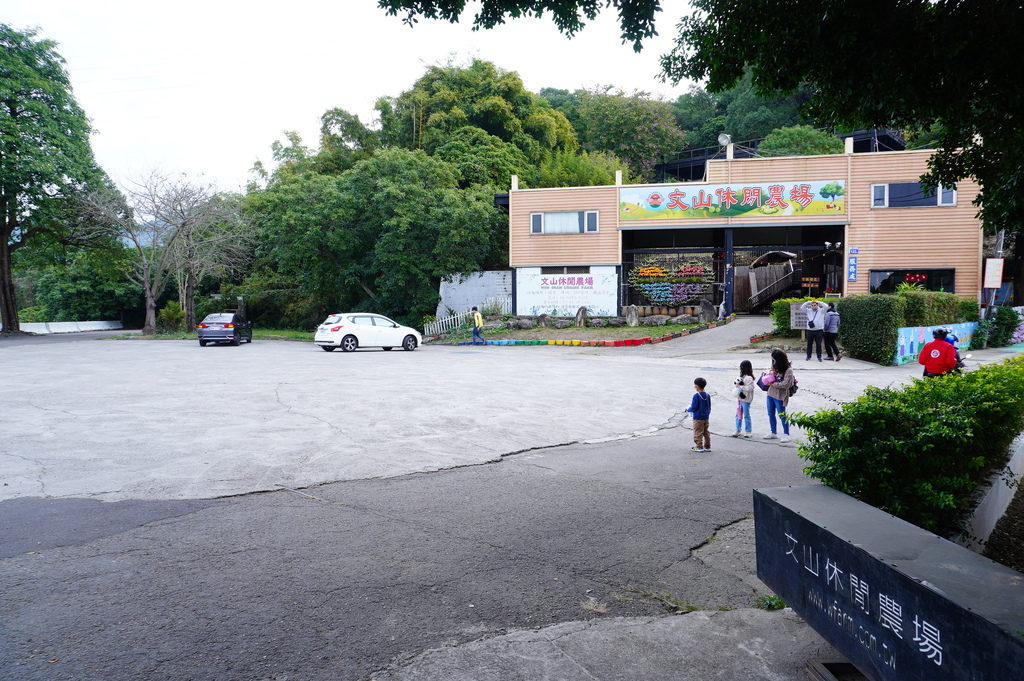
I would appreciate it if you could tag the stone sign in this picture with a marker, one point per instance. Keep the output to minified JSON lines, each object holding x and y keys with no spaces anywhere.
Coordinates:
{"x":899,"y":602}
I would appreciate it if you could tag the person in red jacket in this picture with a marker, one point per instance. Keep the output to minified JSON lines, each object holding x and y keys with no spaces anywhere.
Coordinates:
{"x":938,"y":357}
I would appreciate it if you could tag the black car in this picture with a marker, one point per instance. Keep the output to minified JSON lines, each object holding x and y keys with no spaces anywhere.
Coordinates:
{"x":224,"y":327}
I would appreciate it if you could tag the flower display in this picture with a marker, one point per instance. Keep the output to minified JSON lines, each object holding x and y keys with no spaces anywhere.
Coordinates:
{"x":675,"y":285}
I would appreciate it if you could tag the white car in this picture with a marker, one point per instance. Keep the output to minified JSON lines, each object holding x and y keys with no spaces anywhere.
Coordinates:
{"x":365,"y":330}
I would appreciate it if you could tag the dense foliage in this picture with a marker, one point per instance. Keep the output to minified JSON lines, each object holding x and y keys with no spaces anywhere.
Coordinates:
{"x":45,"y":155}
{"x":800,"y":140}
{"x":921,"y":451}
{"x":1003,"y":327}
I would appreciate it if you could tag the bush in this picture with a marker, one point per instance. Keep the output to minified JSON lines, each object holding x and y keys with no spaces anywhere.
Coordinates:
{"x":930,"y":308}
{"x":919,"y":452}
{"x":870,"y":325}
{"x":969,"y":310}
{"x":32,"y":315}
{"x":979,"y":341}
{"x":171,"y":317}
{"x":1003,"y":327}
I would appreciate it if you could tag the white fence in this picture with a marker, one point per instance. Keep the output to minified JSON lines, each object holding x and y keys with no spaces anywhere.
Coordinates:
{"x":449,"y":324}
{"x":66,"y":327}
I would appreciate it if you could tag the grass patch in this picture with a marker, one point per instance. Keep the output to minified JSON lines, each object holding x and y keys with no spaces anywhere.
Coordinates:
{"x":769,"y":602}
{"x":573,"y":333}
{"x":257,"y":334}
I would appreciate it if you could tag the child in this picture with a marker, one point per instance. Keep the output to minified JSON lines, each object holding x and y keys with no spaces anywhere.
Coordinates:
{"x":700,"y":409}
{"x":745,"y":395}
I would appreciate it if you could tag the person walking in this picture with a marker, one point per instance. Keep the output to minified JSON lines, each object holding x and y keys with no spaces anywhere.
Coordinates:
{"x":815,"y":311}
{"x":831,"y":332}
{"x":938,"y":356}
{"x":700,"y":410}
{"x":778,"y":393}
{"x":478,"y":325}
{"x":744,"y":398}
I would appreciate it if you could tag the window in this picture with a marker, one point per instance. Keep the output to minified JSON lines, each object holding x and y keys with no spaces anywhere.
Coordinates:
{"x":910,"y":194}
{"x":886,"y":281}
{"x":571,"y":269}
{"x":568,"y":222}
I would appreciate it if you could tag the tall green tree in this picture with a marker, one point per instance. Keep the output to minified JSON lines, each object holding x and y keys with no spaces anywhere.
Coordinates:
{"x":639,"y":130}
{"x":380,"y":236}
{"x":480,"y":95}
{"x":45,"y":155}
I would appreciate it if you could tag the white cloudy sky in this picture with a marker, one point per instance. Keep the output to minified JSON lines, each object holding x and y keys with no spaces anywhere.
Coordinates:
{"x":204,"y":87}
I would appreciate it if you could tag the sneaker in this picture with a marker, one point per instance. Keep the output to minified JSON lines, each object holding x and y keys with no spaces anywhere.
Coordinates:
{"x":785,"y":438}
{"x":736,"y":434}
{"x":808,"y":358}
{"x":829,"y":359}
{"x":839,"y":357}
{"x":747,"y":434}
{"x":708,"y":448}
{"x":771,"y":436}
{"x":819,"y":359}
{"x":696,"y":449}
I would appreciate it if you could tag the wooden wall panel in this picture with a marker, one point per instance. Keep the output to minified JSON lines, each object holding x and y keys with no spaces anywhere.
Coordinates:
{"x":531,"y":250}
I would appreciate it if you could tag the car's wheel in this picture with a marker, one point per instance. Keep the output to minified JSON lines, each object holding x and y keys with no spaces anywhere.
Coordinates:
{"x":237,"y":340}
{"x":249,"y":339}
{"x":409,"y":343}
{"x":386,"y":348}
{"x":349,"y":343}
{"x":202,"y":344}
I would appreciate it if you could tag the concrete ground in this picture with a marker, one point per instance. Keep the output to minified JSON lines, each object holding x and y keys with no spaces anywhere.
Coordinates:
{"x":182,"y":437}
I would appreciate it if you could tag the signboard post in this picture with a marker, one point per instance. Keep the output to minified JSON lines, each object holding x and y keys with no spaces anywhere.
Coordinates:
{"x":899,"y":602}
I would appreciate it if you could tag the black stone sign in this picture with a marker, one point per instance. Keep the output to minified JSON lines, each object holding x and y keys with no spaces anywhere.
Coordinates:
{"x":899,"y":602}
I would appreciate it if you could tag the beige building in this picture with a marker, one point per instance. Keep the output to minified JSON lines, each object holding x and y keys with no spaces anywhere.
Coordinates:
{"x":758,"y":228}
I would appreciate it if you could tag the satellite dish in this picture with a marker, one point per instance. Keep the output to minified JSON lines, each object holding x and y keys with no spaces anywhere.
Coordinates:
{"x":724,"y":139}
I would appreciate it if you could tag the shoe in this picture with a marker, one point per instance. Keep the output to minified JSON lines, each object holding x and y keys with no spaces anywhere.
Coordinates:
{"x":696,"y":449}
{"x":747,"y":434}
{"x":829,"y":359}
{"x":707,"y":449}
{"x":839,"y":357}
{"x":736,"y":434}
{"x":808,"y":358}
{"x":819,"y":359}
{"x":785,"y":438}
{"x":771,"y":436}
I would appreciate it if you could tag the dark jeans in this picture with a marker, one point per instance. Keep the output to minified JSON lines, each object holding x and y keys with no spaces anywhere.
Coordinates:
{"x":813,"y":336}
{"x":830,"y":344}
{"x":477,"y":334}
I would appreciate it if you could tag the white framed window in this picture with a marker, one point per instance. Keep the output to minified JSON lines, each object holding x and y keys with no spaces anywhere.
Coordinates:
{"x":910,"y":195}
{"x":565,"y":222}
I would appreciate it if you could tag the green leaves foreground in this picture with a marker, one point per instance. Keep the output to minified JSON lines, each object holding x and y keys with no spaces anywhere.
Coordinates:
{"x":919,"y":452}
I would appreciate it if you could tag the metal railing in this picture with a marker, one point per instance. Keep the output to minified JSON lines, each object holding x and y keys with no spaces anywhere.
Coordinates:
{"x":455,"y":321}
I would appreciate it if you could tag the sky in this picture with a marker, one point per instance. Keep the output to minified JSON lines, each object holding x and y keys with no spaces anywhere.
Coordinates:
{"x":204,"y":87}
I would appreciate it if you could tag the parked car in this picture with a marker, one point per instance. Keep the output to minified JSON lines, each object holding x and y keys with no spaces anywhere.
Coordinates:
{"x":224,"y":327}
{"x":365,"y":330}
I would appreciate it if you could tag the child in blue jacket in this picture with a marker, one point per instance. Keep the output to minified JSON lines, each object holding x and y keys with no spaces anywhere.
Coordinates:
{"x":700,"y":409}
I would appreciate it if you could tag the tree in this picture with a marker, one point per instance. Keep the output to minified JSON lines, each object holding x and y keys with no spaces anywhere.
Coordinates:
{"x":639,"y":130}
{"x":939,"y":62}
{"x":380,"y":236}
{"x":569,"y":169}
{"x":214,"y":241}
{"x":45,"y":155}
{"x":167,"y":223}
{"x":831,"y":190}
{"x":800,"y":140}
{"x":482,"y":159}
{"x":88,"y":288}
{"x":480,"y":95}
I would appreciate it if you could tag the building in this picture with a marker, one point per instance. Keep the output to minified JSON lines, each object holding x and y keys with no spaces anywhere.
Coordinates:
{"x":755,"y":230}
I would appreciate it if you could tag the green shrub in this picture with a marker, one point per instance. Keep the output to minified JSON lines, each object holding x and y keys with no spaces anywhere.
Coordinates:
{"x":33,"y":315}
{"x":1003,"y":327}
{"x":979,"y":340}
{"x":870,"y":325}
{"x":171,"y":317}
{"x":969,"y":309}
{"x":919,"y":452}
{"x":929,"y":308}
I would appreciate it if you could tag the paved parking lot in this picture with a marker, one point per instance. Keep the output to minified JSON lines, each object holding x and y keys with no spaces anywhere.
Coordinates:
{"x":137,"y":419}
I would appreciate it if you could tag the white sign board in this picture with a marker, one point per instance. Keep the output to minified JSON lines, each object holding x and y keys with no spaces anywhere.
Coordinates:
{"x":561,"y":295}
{"x":994,"y":273}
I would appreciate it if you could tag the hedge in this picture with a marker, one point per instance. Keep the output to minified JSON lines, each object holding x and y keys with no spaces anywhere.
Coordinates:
{"x":870,"y":324}
{"x":921,"y":451}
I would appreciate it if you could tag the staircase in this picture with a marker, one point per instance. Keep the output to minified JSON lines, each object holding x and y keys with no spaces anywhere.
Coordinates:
{"x":790,"y":279}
